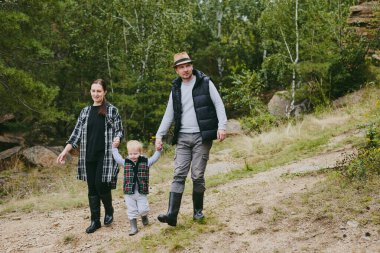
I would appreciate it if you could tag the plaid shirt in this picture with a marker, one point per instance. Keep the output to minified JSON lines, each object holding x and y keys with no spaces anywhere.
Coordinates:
{"x":113,"y":128}
{"x":142,"y":176}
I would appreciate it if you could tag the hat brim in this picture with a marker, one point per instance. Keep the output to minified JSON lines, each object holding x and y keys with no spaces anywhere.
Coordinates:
{"x":182,"y":61}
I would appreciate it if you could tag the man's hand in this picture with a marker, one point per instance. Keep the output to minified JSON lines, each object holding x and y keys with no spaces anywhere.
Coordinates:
{"x":221,"y":134}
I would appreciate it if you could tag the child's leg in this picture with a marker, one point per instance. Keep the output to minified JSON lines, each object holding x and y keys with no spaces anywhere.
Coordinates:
{"x":142,"y":204}
{"x":132,"y":209}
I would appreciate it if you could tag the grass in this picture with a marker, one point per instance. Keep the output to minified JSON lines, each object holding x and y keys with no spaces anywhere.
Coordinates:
{"x":336,"y":202}
{"x":332,"y":201}
{"x":175,"y":239}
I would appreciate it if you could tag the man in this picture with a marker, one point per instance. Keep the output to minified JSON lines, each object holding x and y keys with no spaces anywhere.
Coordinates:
{"x":199,"y":117}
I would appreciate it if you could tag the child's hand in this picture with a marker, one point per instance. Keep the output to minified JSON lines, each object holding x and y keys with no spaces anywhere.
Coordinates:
{"x":159,"y":148}
{"x":116,"y":142}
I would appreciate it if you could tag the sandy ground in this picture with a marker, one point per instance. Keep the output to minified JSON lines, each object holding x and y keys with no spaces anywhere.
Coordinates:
{"x":235,"y":204}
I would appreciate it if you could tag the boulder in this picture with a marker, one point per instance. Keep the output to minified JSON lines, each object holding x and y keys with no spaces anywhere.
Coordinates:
{"x":39,"y":156}
{"x":58,"y":149}
{"x":279,"y":104}
{"x":233,"y":127}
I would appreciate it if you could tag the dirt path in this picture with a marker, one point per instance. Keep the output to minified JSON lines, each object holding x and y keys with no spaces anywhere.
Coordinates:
{"x":246,"y":224}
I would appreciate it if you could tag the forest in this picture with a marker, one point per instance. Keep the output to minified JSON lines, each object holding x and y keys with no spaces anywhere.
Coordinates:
{"x":51,"y":51}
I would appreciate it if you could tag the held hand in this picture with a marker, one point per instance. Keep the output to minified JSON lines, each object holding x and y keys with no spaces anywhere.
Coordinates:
{"x":159,"y":144}
{"x":116,"y":142}
{"x":221,"y":134}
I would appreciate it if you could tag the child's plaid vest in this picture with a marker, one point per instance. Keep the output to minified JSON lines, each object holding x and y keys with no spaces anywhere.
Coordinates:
{"x":142,"y":169}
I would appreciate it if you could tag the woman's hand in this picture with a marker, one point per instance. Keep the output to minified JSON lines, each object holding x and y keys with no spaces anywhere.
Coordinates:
{"x":62,"y":156}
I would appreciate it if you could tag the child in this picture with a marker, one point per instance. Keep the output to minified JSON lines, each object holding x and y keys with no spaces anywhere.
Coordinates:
{"x":136,"y":182}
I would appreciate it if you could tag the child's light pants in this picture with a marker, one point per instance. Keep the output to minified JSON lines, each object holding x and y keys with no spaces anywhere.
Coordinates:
{"x":137,"y":204}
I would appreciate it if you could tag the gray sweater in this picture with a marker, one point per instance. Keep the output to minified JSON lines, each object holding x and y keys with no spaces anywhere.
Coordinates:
{"x":189,"y":122}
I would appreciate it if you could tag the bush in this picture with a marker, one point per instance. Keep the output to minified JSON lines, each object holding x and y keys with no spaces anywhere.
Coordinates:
{"x":373,"y":136}
{"x":259,"y":123}
{"x":367,"y":163}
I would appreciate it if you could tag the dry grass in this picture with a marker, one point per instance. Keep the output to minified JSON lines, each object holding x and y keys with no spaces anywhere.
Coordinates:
{"x":311,"y":135}
{"x":336,"y":203}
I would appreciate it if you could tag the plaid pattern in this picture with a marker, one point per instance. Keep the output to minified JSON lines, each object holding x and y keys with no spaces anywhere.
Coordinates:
{"x":113,"y":128}
{"x":142,"y":176}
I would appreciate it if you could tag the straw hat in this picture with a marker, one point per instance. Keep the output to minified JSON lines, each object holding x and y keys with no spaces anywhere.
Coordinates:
{"x":181,"y":58}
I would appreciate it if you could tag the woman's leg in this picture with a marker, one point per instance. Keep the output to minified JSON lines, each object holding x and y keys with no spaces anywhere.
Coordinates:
{"x":104,"y":192}
{"x":93,"y":197}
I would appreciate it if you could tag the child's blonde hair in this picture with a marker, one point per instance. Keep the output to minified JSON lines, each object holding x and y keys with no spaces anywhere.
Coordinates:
{"x":133,"y":144}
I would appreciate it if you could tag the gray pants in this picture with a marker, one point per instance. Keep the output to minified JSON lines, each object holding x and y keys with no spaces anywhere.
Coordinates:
{"x":137,"y":204}
{"x":190,"y":151}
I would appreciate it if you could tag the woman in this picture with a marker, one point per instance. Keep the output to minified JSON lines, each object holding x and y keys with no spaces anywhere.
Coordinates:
{"x":97,"y":127}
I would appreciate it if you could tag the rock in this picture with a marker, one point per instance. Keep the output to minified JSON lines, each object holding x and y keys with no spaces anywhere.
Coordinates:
{"x":301,"y":108}
{"x":58,"y":149}
{"x":12,"y":138}
{"x":364,"y":19}
{"x":6,"y":117}
{"x":353,"y":224}
{"x":279,"y":104}
{"x":40,"y":156}
{"x":9,"y":152}
{"x":233,"y":127}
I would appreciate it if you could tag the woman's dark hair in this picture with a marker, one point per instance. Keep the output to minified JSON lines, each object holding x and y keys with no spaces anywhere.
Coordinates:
{"x":103,"y":107}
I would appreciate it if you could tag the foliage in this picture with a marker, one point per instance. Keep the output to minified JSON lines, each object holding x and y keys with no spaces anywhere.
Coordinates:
{"x":363,"y":167}
{"x":26,"y":79}
{"x":367,"y":163}
{"x":259,"y":123}
{"x":242,"y":96}
{"x":348,"y":71}
{"x":51,"y":51}
{"x":373,"y":135}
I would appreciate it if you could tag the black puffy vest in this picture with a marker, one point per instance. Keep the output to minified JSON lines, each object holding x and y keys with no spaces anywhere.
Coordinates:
{"x":203,"y":105}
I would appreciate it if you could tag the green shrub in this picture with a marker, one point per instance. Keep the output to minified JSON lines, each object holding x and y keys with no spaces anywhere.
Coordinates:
{"x":367,"y":162}
{"x":373,"y":135}
{"x":259,"y":123}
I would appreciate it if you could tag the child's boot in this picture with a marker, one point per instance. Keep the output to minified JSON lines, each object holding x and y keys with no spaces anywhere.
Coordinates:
{"x":145,"y":220}
{"x":134,"y":229}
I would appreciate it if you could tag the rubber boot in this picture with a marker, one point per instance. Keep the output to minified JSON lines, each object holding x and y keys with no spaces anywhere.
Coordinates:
{"x":145,"y":220}
{"x":107,"y":202}
{"x":94,"y":202}
{"x":198,"y":205}
{"x":174,"y":204}
{"x":134,"y":228}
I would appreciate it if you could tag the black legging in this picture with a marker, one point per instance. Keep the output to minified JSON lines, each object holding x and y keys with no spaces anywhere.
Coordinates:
{"x":94,"y":179}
